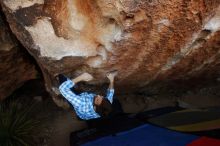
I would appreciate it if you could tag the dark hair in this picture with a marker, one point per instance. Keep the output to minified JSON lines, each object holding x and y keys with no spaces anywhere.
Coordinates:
{"x":105,"y":108}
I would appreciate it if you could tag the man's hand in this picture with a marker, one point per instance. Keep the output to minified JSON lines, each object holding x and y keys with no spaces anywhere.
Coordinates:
{"x":83,"y":77}
{"x":86,"y":77}
{"x":111,"y":75}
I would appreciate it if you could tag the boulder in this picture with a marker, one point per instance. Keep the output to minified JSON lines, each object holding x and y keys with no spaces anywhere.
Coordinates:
{"x":16,"y":65}
{"x":147,"y":41}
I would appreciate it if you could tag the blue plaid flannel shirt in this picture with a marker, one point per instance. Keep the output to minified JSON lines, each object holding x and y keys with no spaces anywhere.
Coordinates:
{"x":82,"y":103}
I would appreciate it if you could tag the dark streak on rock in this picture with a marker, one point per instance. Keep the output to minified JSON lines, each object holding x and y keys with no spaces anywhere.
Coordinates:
{"x":28,"y":16}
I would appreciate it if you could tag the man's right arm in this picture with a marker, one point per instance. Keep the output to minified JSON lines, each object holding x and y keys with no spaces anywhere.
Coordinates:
{"x":65,"y":89}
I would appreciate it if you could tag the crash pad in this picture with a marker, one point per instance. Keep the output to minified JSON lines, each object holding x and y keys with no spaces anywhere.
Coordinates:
{"x":205,"y":141}
{"x":145,"y":135}
{"x":189,"y":120}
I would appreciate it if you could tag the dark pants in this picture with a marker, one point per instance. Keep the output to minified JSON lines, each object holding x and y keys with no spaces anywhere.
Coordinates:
{"x":61,"y":78}
{"x":101,"y":122}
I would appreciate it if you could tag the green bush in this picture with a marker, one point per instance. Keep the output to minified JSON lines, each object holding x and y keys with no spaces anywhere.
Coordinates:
{"x":17,"y":125}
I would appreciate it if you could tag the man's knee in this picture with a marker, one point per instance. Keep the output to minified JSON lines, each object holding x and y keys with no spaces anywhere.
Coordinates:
{"x":61,"y":78}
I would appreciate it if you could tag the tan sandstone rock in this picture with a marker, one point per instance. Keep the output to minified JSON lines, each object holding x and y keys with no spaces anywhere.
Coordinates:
{"x":147,"y":41}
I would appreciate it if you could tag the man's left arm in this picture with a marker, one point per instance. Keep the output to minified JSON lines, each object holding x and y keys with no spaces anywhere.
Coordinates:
{"x":110,"y":91}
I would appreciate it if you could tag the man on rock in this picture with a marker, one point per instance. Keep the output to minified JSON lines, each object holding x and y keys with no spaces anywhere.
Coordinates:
{"x":88,"y":105}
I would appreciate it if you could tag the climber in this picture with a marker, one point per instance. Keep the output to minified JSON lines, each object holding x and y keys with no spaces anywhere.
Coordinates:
{"x":88,"y":105}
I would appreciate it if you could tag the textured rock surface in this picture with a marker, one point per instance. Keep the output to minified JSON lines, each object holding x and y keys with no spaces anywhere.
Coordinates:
{"x":15,"y":64}
{"x":148,"y":41}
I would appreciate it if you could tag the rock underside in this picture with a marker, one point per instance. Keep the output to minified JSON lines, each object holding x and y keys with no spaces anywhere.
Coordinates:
{"x":15,"y":64}
{"x":147,"y":41}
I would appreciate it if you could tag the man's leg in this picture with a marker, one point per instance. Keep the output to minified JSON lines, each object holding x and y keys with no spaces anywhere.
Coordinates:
{"x":61,"y":78}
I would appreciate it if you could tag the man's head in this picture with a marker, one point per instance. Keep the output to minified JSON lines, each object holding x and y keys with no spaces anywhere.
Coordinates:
{"x":102,"y":105}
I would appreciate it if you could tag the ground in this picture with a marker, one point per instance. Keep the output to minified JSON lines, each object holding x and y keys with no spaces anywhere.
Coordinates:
{"x":59,"y":123}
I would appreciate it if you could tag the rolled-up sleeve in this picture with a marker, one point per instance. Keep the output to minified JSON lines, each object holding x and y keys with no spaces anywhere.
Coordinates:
{"x":65,"y":89}
{"x":110,"y":94}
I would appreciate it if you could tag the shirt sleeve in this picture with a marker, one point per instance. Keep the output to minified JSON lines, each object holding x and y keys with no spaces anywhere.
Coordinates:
{"x":65,"y":89}
{"x":109,"y":96}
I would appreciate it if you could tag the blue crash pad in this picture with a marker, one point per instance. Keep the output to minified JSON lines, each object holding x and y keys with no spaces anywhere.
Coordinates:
{"x":145,"y":135}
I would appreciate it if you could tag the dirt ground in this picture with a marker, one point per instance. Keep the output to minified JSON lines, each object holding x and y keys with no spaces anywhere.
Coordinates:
{"x":60,"y":123}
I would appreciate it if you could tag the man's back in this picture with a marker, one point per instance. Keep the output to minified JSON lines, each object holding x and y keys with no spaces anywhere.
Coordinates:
{"x":82,"y":103}
{"x":87,"y":105}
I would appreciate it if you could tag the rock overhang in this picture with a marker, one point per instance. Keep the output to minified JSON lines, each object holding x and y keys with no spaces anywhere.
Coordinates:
{"x":145,"y":41}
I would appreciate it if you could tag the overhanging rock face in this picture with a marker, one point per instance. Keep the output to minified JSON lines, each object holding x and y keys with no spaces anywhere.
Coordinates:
{"x":15,"y":64}
{"x":146,"y":41}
